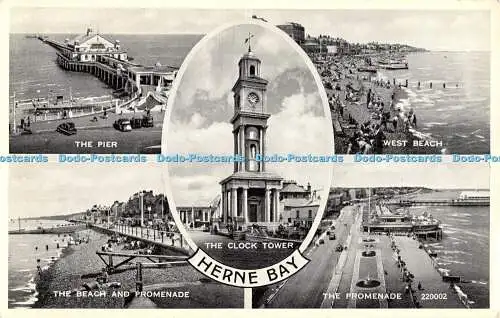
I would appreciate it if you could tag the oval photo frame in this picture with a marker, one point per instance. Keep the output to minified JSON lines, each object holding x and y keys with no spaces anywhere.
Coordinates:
{"x":201,"y":260}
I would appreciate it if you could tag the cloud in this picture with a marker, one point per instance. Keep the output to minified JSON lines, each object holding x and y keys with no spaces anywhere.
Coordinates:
{"x":57,"y":189}
{"x":299,"y":130}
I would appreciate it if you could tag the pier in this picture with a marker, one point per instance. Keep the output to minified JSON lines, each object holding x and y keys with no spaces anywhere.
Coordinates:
{"x":92,"y":53}
{"x":453,"y":202}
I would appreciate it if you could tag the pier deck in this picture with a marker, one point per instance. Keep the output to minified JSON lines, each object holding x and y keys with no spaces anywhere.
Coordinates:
{"x":439,"y":203}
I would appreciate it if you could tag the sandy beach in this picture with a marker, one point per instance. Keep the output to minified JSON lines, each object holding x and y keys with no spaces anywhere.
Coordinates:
{"x":79,"y":264}
{"x":347,"y":90}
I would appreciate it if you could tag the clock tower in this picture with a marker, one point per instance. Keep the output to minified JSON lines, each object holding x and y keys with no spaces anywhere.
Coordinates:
{"x":250,"y":196}
{"x":250,"y":117}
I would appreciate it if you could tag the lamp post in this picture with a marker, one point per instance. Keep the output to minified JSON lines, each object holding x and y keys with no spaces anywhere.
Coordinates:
{"x":141,"y":205}
{"x":149,"y":213}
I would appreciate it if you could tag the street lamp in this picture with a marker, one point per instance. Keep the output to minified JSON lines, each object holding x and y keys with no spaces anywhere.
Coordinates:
{"x":149,"y":213}
{"x":141,"y":204}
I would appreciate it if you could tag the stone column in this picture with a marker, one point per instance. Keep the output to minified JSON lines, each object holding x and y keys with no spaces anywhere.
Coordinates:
{"x":263,"y":151}
{"x":242,"y":146}
{"x":268,"y":205}
{"x":236,"y":149}
{"x":276,"y":198}
{"x":245,"y":204}
{"x":224,"y":206}
{"x":234,"y":202}
{"x":192,"y":215}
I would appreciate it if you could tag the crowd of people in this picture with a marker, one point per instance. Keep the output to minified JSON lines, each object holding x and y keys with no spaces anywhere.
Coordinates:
{"x":346,"y":89}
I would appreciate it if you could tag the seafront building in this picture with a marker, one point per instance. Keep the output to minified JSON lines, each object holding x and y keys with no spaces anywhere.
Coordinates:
{"x":380,"y":219}
{"x":295,"y":30}
{"x":298,"y":206}
{"x":142,"y":208}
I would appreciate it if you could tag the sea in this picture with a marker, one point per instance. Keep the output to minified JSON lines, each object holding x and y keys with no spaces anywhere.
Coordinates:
{"x":24,"y":251}
{"x":465,"y":247}
{"x":459,"y":114}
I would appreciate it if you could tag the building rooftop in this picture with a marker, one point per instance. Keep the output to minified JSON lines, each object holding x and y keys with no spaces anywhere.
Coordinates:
{"x":295,"y":24}
{"x":292,"y":187}
{"x":301,"y":202}
{"x":156,"y":68}
{"x":253,"y":175}
{"x":82,"y":38}
{"x":482,"y":193}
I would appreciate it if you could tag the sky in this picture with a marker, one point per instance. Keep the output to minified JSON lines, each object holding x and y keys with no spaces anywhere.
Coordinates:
{"x":431,"y":29}
{"x":435,"y":176}
{"x":203,"y":106}
{"x":58,"y":189}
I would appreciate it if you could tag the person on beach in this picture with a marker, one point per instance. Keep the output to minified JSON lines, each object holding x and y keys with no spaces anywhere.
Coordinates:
{"x":412,"y":119}
{"x":353,"y":146}
{"x":378,"y":141}
{"x":342,"y":108}
{"x":395,"y":120}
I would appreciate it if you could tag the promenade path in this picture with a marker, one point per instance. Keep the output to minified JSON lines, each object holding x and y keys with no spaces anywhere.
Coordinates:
{"x":421,"y":265}
{"x":305,"y":289}
{"x":154,"y":236}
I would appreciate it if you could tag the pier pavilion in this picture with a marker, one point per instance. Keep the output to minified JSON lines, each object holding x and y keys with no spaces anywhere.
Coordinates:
{"x":94,"y":54}
{"x":384,"y":221}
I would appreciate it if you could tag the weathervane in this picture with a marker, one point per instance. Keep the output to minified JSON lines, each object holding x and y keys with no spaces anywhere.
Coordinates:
{"x":247,"y":40}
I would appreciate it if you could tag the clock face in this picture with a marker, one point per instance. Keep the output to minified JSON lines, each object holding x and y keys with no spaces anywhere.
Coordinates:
{"x":253,"y":98}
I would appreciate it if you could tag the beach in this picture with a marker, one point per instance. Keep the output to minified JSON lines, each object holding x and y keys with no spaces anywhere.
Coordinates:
{"x":435,"y":108}
{"x":79,"y":265}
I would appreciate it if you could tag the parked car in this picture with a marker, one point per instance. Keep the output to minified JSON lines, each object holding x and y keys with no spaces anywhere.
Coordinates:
{"x":332,"y":236}
{"x":321,"y":241}
{"x":67,"y":128}
{"x":122,"y":124}
{"x":147,"y":121}
{"x":135,"y":122}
